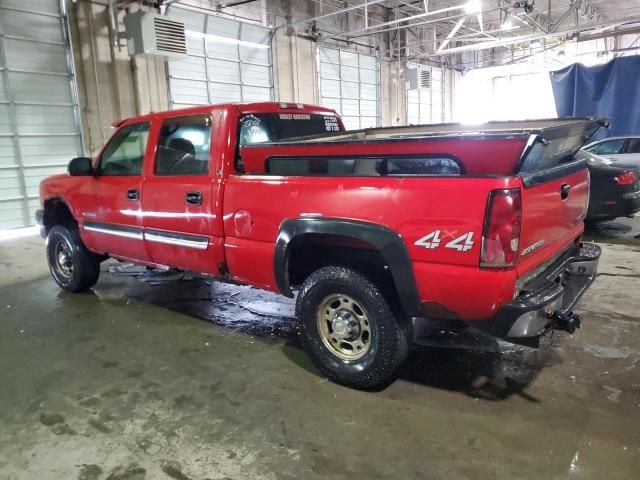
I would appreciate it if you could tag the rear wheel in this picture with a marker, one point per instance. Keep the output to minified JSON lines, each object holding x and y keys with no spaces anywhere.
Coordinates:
{"x":348,"y":329}
{"x":72,"y":266}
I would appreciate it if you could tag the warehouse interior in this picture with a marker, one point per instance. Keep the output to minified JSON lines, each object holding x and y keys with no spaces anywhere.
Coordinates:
{"x":163,"y":373}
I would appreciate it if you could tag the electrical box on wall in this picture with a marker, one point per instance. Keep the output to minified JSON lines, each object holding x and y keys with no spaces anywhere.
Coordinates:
{"x":418,"y":78}
{"x":148,"y":33}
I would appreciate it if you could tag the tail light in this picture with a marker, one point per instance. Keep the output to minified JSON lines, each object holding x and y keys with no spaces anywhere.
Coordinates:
{"x":501,"y":235}
{"x":626,"y":178}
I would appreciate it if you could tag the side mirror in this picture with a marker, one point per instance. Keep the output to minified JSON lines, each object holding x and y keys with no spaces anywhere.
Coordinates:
{"x":80,"y":166}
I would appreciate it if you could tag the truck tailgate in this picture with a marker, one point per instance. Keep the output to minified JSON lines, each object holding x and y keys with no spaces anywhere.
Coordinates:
{"x":555,"y":193}
{"x":552,"y":218}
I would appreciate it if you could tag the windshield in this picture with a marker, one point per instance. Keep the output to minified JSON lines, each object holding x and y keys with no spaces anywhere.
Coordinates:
{"x":272,"y":127}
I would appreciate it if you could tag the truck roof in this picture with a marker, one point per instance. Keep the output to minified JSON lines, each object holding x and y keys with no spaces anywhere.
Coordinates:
{"x":242,"y":107}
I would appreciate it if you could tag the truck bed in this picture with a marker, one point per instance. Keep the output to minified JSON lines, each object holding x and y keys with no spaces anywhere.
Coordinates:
{"x":347,"y":175}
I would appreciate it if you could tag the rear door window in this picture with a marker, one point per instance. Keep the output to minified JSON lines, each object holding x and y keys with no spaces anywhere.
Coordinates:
{"x":184,"y":146}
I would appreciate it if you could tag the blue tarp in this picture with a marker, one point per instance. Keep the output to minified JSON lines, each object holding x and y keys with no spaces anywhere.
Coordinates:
{"x":611,"y":90}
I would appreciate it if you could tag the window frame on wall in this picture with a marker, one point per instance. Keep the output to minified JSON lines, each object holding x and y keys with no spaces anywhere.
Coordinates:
{"x":204,"y":50}
{"x":431,"y":116}
{"x":337,"y":101}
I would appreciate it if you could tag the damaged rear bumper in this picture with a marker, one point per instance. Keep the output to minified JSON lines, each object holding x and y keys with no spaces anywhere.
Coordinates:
{"x":548,"y":299}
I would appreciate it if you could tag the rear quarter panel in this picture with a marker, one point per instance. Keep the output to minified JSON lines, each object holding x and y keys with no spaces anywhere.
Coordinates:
{"x":256,"y":205}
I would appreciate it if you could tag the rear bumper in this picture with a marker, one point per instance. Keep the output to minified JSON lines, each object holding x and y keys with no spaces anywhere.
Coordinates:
{"x":554,"y":292}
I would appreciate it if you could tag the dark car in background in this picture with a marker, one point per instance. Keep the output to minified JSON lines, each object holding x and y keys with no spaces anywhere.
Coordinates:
{"x":615,"y":188}
{"x":624,"y":150}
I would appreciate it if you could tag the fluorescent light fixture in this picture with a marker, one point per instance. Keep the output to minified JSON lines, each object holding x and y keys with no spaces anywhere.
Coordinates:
{"x":473,"y":6}
{"x":219,"y":39}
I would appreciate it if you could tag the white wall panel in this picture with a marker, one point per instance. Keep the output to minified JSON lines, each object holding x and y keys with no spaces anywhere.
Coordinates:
{"x":349,"y":84}
{"x":39,"y":129}
{"x":232,"y":72}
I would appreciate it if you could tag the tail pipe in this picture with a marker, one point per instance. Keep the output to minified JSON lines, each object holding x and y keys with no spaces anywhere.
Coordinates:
{"x":565,"y":321}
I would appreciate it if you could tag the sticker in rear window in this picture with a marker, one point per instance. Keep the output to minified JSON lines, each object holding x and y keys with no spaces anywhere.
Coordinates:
{"x":295,"y":116}
{"x":331,"y":123}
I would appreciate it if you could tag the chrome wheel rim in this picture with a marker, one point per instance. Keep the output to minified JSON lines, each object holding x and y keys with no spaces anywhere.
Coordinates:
{"x":62,"y":258}
{"x":344,"y":327}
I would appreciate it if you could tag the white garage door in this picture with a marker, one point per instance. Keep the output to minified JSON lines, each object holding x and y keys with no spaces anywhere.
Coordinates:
{"x":228,"y":61}
{"x":349,"y":84}
{"x":39,"y":131}
{"x":426,"y":105}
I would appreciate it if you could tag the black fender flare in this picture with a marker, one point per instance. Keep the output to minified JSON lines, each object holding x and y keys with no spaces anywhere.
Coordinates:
{"x":386,"y":241}
{"x":42,"y":214}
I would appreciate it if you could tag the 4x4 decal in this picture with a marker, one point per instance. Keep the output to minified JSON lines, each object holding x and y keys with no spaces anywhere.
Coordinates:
{"x":462,"y":243}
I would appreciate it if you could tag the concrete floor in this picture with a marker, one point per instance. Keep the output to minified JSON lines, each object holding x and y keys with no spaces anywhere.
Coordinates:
{"x":129,"y":382}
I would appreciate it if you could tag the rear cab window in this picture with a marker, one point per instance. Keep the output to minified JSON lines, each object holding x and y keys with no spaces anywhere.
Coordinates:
{"x":273,"y":127}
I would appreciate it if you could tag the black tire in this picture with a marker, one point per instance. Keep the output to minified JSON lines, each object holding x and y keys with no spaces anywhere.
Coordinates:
{"x":389,"y":339}
{"x":80,"y":268}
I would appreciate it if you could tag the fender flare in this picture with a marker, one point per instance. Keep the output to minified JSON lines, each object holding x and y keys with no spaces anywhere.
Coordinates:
{"x":386,"y":241}
{"x":46,"y":205}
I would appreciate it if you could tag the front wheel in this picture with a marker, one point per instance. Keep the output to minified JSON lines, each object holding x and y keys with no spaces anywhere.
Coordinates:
{"x":72,"y":266}
{"x":348,"y":329}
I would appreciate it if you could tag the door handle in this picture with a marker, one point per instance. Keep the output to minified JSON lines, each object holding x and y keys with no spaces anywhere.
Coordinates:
{"x":565,"y":188}
{"x":194,"y":198}
{"x":133,"y":194}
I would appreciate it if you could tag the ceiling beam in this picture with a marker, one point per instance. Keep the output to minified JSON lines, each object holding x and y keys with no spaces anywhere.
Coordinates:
{"x":572,"y":8}
{"x":453,"y":31}
{"x":397,"y":22}
{"x":330,"y":14}
{"x":528,"y":38}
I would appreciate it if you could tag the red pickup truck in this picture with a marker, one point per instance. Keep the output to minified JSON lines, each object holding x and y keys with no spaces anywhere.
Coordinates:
{"x":372,"y":228}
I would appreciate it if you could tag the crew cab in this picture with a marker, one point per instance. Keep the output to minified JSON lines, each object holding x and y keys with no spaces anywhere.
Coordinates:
{"x":371,"y":230}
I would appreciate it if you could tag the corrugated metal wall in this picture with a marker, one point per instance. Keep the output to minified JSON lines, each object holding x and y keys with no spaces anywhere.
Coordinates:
{"x":349,"y":84}
{"x":228,"y":61}
{"x":39,"y":126}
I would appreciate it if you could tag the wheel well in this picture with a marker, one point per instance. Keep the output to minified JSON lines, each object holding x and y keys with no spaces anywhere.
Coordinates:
{"x":56,"y":212}
{"x":310,"y":252}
